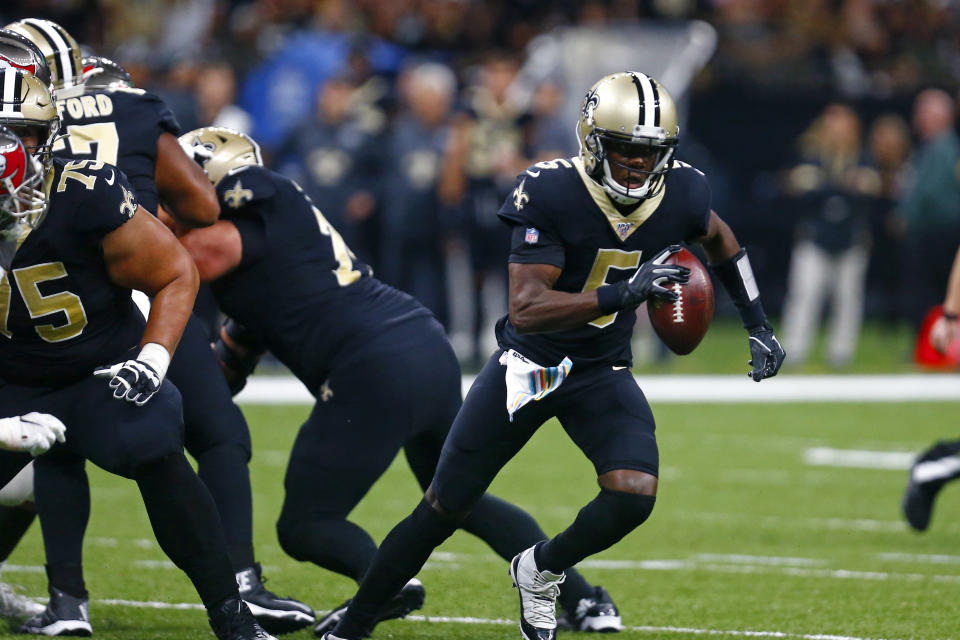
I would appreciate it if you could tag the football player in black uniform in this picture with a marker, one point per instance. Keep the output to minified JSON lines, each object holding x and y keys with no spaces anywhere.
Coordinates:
{"x":33,"y":433}
{"x":590,"y":235}
{"x":939,"y":465}
{"x":73,"y":243}
{"x":17,"y":512}
{"x":377,"y":361}
{"x":112,"y":122}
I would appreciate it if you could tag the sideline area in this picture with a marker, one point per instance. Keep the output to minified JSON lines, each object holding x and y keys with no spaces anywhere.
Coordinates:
{"x":287,"y":390}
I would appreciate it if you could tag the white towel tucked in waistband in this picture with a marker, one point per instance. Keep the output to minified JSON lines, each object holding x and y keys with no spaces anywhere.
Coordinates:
{"x":528,"y":381}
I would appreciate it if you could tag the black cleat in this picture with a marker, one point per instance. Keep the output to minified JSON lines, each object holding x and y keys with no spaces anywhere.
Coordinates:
{"x":232,"y":620}
{"x":538,"y":596}
{"x":932,"y":470}
{"x":275,"y":614}
{"x":410,"y":598}
{"x":596,"y":613}
{"x":65,"y":615}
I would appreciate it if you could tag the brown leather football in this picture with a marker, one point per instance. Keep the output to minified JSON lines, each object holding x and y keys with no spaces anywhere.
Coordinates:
{"x":682,"y":324}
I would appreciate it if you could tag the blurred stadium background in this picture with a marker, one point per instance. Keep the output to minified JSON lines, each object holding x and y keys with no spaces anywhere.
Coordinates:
{"x":407,"y":121}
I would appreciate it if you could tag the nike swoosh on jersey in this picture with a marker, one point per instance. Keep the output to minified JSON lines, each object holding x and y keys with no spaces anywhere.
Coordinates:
{"x":616,"y":368}
{"x":532,"y":174}
{"x":113,"y":177}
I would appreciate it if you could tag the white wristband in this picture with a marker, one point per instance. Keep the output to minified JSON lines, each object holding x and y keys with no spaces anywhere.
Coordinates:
{"x":10,"y":433}
{"x":746,"y":275}
{"x":157,"y":356}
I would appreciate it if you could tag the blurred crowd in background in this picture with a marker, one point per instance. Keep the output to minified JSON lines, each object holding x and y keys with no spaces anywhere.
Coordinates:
{"x":826,"y":128}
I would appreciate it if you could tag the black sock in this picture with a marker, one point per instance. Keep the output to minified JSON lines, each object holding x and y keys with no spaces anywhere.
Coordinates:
{"x":14,"y":522}
{"x":599,"y":525}
{"x":401,"y":556}
{"x":185,"y":522}
{"x":68,"y":577}
{"x":334,"y":544}
{"x":63,"y":502}
{"x":508,"y":530}
{"x":223,"y":469}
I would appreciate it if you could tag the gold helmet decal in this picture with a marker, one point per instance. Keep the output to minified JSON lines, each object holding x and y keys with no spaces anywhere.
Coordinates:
{"x":60,"y":50}
{"x":633,"y":114}
{"x":221,"y":151}
{"x":25,"y":102}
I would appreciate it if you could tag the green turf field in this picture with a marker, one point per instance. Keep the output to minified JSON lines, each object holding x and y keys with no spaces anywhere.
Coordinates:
{"x":745,"y":538}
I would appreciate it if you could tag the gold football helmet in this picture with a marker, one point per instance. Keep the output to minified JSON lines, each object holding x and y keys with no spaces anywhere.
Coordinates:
{"x":19,"y":51}
{"x":220,"y":151}
{"x":632,"y":115}
{"x":60,"y":50}
{"x":26,"y":106}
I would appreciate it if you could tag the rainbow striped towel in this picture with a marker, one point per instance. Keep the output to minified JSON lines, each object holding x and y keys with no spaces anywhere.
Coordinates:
{"x":528,"y":381}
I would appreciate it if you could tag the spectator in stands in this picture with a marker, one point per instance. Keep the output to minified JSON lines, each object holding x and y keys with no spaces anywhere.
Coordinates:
{"x":421,"y":188}
{"x":216,"y":89}
{"x":832,"y":246}
{"x":931,"y":203}
{"x":889,"y":155}
{"x":334,"y":154}
{"x":494,"y":151}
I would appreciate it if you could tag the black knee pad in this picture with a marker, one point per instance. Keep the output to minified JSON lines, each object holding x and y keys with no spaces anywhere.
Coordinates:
{"x":630,"y":510}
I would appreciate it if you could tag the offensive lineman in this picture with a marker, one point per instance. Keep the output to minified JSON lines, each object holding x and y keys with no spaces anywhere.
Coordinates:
{"x":377,"y":361}
{"x":17,"y":511}
{"x":582,"y":229}
{"x":73,"y":242}
{"x":106,"y":119}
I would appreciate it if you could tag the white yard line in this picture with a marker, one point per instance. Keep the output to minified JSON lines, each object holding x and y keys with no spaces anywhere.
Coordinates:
{"x":859,"y":459}
{"x":467,"y":620}
{"x":776,"y":561}
{"x":920,"y":558}
{"x":279,"y":390}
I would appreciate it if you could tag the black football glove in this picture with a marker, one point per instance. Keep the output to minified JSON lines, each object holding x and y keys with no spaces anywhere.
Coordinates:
{"x":766,"y":354}
{"x":133,"y":380}
{"x":649,"y":278}
{"x":238,"y":351}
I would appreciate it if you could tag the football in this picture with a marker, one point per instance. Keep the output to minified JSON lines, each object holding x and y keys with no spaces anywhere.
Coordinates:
{"x":682,"y":324}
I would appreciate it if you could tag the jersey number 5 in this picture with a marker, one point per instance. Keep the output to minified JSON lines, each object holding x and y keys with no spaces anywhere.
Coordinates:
{"x":606,"y":260}
{"x":28,"y":282}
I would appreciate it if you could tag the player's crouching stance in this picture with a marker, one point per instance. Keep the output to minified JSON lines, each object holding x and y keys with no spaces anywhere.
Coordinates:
{"x":22,"y":437}
{"x":585,"y":230}
{"x":73,"y":242}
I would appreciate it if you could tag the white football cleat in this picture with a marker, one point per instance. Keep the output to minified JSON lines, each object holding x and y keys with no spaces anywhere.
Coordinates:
{"x":538,"y":596}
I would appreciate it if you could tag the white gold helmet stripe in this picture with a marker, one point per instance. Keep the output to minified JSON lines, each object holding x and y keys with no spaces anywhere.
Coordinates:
{"x":646,"y":96}
{"x":11,"y":92}
{"x":656,"y":104}
{"x":59,"y":44}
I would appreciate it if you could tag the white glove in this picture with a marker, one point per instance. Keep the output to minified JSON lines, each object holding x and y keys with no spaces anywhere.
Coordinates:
{"x":34,"y":432}
{"x":137,"y":380}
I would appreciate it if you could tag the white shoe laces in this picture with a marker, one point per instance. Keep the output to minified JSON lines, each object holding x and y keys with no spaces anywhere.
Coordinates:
{"x":539,"y":607}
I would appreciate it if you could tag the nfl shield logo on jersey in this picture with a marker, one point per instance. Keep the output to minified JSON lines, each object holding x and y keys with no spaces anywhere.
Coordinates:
{"x":623,"y":229}
{"x":532,"y":236}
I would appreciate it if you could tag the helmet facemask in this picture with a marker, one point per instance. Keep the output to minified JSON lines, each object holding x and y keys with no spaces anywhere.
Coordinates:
{"x":648,"y":157}
{"x":23,"y":202}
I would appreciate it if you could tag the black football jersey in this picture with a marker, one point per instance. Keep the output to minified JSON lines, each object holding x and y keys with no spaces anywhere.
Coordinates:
{"x":298,"y":284}
{"x":60,"y":314}
{"x":563,"y":218}
{"x":120,"y":127}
